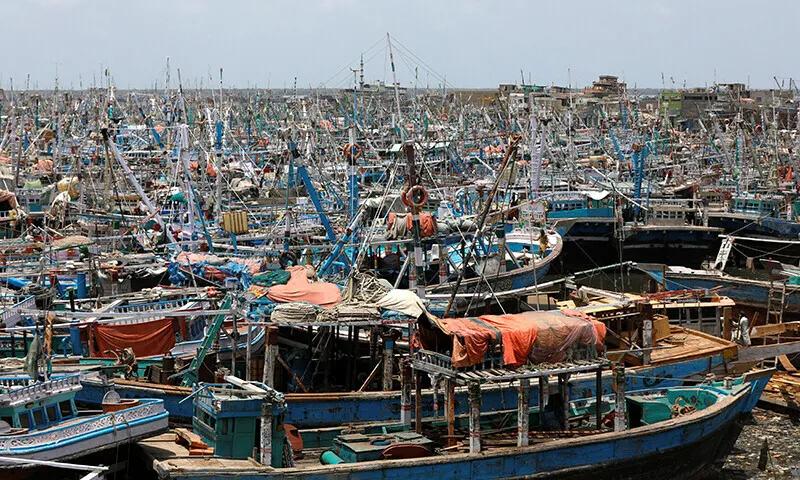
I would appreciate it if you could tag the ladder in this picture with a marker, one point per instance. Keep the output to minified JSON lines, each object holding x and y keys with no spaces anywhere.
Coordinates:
{"x":723,"y":253}
{"x":190,"y":375}
{"x":776,"y":304}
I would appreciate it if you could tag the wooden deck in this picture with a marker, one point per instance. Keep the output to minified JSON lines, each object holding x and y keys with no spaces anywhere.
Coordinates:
{"x":167,"y":458}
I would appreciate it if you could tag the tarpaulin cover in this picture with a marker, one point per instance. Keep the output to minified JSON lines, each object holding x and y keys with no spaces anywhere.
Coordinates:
{"x":299,"y":289}
{"x":472,"y":337}
{"x":405,"y":225}
{"x":155,"y":337}
{"x":403,"y":301}
{"x":533,"y":337}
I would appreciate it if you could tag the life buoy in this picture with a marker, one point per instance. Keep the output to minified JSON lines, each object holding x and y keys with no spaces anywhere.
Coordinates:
{"x":417,"y":196}
{"x":352,"y":151}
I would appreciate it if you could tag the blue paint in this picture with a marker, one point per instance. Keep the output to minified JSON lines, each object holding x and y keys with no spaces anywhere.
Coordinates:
{"x":307,"y":411}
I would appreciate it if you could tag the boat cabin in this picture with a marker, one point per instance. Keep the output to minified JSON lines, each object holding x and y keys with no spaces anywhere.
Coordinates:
{"x":40,"y":405}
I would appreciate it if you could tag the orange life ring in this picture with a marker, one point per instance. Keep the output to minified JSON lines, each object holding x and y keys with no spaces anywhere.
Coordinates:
{"x":417,"y":192}
{"x":353,"y":151}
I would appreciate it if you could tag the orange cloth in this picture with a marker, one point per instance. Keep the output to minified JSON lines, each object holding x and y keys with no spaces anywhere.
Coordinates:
{"x":155,"y":337}
{"x":519,"y":334}
{"x":299,"y":289}
{"x":525,"y":337}
{"x":470,"y":341}
{"x":427,"y":224}
{"x":472,"y":337}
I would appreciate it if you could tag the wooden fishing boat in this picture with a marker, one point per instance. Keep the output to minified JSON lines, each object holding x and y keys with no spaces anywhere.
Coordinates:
{"x":696,"y":426}
{"x":40,"y":421}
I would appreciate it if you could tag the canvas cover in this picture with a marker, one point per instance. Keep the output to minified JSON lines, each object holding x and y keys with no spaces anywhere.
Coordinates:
{"x":156,"y":337}
{"x":529,"y":337}
{"x":300,"y":289}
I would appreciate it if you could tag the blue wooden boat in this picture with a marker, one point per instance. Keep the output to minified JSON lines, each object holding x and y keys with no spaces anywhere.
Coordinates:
{"x":326,"y":409}
{"x":678,"y":432}
{"x":744,"y":291}
{"x":529,"y":266}
{"x":40,"y":421}
{"x":582,"y":216}
{"x":759,"y":216}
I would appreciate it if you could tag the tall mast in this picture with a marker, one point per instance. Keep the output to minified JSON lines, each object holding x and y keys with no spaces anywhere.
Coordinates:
{"x":396,"y":91}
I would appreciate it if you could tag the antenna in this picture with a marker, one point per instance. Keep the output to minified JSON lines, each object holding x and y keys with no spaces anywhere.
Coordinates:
{"x":361,"y":69}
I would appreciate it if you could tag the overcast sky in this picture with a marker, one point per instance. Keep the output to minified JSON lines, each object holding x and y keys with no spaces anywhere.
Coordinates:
{"x":470,"y":43}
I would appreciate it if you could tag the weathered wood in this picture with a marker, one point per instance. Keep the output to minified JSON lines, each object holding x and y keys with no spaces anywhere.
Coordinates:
{"x":620,"y":418}
{"x":265,"y":440}
{"x":523,"y":412}
{"x":418,"y":402}
{"x":774,"y":329}
{"x":270,"y":356}
{"x":474,"y":417}
{"x":388,"y":354}
{"x":405,"y":394}
{"x":450,"y":410}
{"x":762,"y":352}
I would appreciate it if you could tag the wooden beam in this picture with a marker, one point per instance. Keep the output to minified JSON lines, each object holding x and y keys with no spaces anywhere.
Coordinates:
{"x":768,"y":351}
{"x":761,"y":331}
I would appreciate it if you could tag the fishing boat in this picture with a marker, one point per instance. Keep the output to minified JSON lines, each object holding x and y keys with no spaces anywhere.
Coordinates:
{"x":40,"y":421}
{"x":611,"y":436}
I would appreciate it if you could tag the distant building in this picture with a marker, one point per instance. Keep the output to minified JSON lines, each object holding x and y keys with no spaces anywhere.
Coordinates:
{"x":606,"y":85}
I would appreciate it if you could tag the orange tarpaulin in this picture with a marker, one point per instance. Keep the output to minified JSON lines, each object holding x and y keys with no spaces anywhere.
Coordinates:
{"x":299,"y":289}
{"x":155,"y":337}
{"x":473,"y":335}
{"x":526,"y":337}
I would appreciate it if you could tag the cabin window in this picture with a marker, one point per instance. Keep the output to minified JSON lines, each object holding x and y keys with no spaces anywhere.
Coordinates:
{"x":38,"y":417}
{"x":52,"y":414}
{"x":25,"y":419}
{"x":8,"y":420}
{"x":66,"y":408}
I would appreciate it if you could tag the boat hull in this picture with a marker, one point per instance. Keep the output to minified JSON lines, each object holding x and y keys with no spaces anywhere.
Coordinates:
{"x":328,"y":409}
{"x":87,"y":436}
{"x":682,"y":447}
{"x":752,"y":293}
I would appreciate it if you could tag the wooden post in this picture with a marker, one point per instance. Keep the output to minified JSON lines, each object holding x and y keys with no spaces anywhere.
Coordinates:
{"x":523,"y":411}
{"x":405,"y":394}
{"x":727,"y":320}
{"x":542,"y":401}
{"x":354,"y":358}
{"x":647,"y":339}
{"x":474,"y":389}
{"x":248,"y":353}
{"x":418,"y":402}
{"x":443,"y":262}
{"x":270,"y":356}
{"x":388,"y":361}
{"x":598,"y":390}
{"x":234,"y":344}
{"x":435,"y":387}
{"x":266,"y":433}
{"x":450,"y":410}
{"x":620,"y":419}
{"x":563,"y":390}
{"x":412,"y":271}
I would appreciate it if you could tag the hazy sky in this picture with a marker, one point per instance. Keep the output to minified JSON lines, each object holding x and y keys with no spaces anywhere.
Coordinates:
{"x":471,"y":43}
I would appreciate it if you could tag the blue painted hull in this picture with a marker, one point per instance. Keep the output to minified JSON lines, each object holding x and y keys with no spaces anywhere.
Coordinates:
{"x":318,"y":410}
{"x":682,"y":447}
{"x":744,"y":292}
{"x":765,"y":227}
